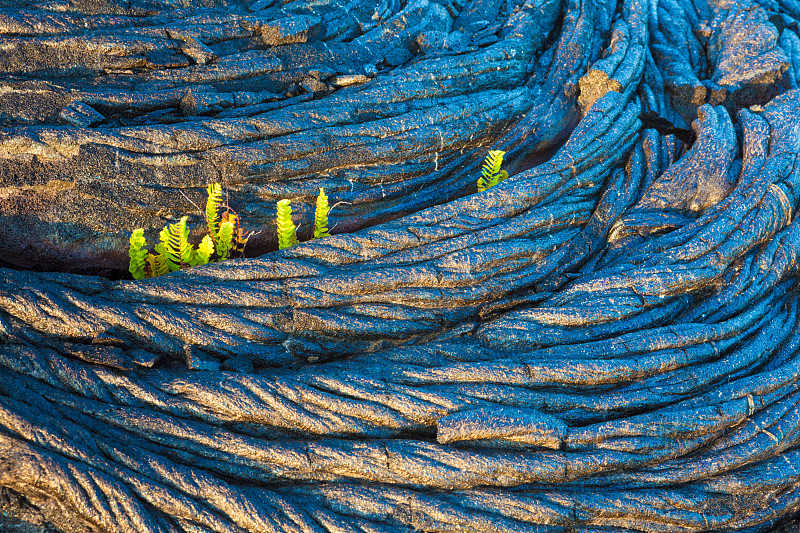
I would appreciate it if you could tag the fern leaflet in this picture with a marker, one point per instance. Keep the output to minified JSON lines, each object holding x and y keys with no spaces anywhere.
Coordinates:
{"x":137,"y":255}
{"x":321,"y":216}
{"x":287,"y":232}
{"x":491,"y":174}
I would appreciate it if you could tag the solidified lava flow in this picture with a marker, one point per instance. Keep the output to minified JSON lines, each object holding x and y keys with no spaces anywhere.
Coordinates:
{"x":604,"y":342}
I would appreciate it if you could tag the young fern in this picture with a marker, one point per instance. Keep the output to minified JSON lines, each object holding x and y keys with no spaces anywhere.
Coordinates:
{"x":225,"y":238}
{"x":212,"y":209}
{"x":178,"y":251}
{"x":186,"y":249}
{"x":204,"y":251}
{"x":174,"y":251}
{"x":321,"y":216}
{"x":163,"y":249}
{"x":287,"y":232}
{"x":157,"y":263}
{"x":138,"y":256}
{"x":491,"y":174}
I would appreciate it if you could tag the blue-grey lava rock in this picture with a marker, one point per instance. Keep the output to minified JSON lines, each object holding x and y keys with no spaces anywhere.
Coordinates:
{"x":606,"y":341}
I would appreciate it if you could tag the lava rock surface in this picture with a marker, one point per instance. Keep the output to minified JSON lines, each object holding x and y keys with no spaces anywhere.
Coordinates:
{"x":606,"y":341}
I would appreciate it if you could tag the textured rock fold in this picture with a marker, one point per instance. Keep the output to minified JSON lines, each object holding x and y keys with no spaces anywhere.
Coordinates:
{"x":606,"y":341}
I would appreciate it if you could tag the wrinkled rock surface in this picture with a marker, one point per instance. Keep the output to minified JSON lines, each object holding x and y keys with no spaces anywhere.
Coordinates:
{"x":606,"y":341}
{"x":120,"y":119}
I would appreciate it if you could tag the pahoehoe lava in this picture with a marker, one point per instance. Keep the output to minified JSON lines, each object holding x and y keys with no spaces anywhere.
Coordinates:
{"x":606,"y":341}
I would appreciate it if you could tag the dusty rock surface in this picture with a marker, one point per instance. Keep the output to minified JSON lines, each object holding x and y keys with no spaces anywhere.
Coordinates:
{"x":606,"y":341}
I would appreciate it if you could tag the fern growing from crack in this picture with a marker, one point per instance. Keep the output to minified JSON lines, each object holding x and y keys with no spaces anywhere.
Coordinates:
{"x":174,"y":251}
{"x":204,"y":250}
{"x":224,"y":238}
{"x":175,"y":241}
{"x":212,"y":209}
{"x":287,"y":231}
{"x":491,"y":173}
{"x":321,"y":216}
{"x":138,"y":256}
{"x":157,"y":262}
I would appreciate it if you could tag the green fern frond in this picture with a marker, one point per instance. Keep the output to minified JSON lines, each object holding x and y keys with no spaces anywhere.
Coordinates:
{"x":163,"y":247}
{"x":152,"y":267}
{"x":212,"y":209}
{"x":204,"y":251}
{"x":492,"y":163}
{"x":157,"y":263}
{"x":321,"y":216}
{"x":186,"y":248}
{"x":225,"y":238}
{"x":491,"y":174}
{"x":138,"y":256}
{"x":287,"y":232}
{"x":177,"y":250}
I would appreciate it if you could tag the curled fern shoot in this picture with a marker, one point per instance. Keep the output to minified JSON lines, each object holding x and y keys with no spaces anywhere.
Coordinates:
{"x":491,"y":174}
{"x":321,"y":216}
{"x":212,"y":209}
{"x":287,"y":232}
{"x":138,"y":256}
